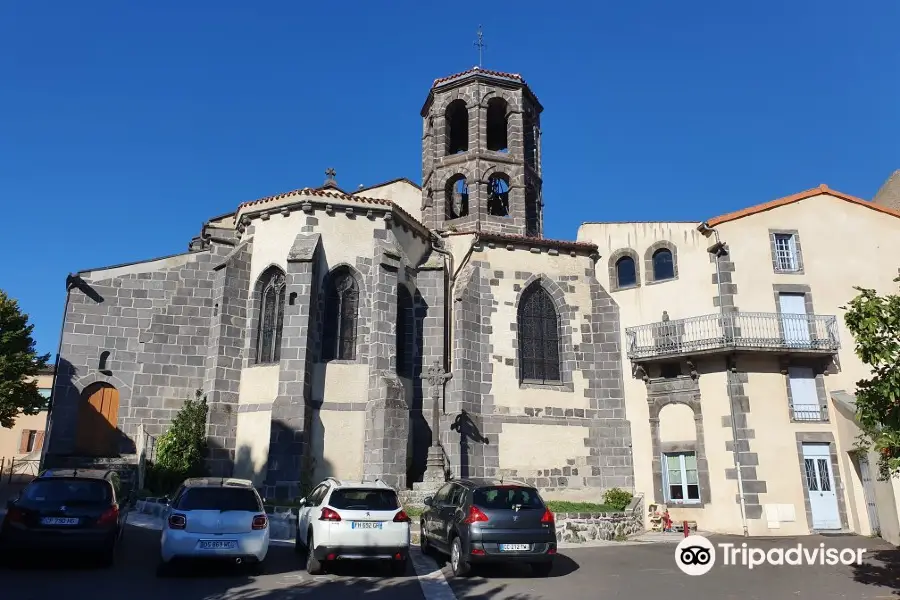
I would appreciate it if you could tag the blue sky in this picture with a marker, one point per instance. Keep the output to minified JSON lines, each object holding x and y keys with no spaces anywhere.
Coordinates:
{"x":125,"y":125}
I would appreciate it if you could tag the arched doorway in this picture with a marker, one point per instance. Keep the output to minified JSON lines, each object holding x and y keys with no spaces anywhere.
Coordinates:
{"x":98,"y":414}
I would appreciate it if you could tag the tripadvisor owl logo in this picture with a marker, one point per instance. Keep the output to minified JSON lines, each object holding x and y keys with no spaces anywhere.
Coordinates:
{"x":695,"y":555}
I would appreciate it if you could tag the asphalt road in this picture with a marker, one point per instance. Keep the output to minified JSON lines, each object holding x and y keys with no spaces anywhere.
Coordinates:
{"x":133,"y":577}
{"x":635,"y":572}
{"x":640,"y":572}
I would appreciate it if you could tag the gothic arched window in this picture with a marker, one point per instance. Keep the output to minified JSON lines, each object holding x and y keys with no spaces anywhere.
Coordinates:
{"x":405,"y":323}
{"x":341,"y":310}
{"x":538,"y":326}
{"x":271,"y":288}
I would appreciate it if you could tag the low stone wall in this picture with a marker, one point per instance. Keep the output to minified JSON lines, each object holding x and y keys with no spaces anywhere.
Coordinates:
{"x":577,"y":528}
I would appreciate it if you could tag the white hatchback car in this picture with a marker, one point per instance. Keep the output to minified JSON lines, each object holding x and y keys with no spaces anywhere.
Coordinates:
{"x":218,"y":519}
{"x":352,"y":520}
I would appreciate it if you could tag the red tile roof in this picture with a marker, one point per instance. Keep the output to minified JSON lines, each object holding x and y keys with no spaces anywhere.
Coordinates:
{"x":319,"y":193}
{"x":531,"y":241}
{"x":512,"y":76}
{"x":822,"y":189}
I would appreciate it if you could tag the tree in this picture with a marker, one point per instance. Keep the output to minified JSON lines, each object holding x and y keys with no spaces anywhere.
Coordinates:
{"x":875,"y":323}
{"x":18,"y":361}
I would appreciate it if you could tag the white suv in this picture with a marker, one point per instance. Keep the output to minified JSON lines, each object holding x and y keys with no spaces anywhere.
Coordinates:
{"x":347,"y":520}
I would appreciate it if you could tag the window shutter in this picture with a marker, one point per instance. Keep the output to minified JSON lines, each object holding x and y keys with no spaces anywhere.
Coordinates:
{"x":39,"y":441}
{"x":23,"y":442}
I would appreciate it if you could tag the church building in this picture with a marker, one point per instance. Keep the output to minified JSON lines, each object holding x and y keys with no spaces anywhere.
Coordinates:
{"x":324,"y":325}
{"x":417,"y":332}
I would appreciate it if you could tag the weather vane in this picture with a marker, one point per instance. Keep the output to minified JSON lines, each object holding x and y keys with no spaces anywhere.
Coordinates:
{"x":480,"y":45}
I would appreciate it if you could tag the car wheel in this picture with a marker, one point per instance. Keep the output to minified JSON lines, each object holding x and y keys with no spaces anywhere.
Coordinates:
{"x":313,"y":565}
{"x":398,"y":568}
{"x":424,"y":546}
{"x":541,"y":569}
{"x":458,"y":562}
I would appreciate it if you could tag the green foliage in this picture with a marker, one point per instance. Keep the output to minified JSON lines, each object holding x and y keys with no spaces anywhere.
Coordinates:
{"x":18,"y":361}
{"x":874,"y":322}
{"x":617,"y":498}
{"x":564,"y":506}
{"x":181,"y":450}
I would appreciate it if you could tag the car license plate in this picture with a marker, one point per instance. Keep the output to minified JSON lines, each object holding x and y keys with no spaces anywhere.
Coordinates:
{"x":59,"y":521}
{"x":218,"y":544}
{"x":365,"y":525}
{"x":515,"y":547}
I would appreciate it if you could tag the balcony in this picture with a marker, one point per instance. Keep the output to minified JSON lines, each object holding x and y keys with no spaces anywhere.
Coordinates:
{"x":733,"y":332}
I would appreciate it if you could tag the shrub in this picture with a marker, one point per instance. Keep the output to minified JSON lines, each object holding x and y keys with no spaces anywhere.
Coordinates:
{"x":181,"y":450}
{"x":617,"y":498}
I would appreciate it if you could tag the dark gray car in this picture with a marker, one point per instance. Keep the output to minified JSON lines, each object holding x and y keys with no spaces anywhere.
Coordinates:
{"x":489,"y":521}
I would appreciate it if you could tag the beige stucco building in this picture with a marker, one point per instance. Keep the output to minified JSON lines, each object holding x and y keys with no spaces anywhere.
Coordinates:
{"x":734,"y":332}
{"x":25,"y":439}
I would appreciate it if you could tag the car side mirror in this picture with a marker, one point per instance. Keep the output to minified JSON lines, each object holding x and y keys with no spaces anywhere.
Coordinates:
{"x":302,"y":501}
{"x":428,"y":501}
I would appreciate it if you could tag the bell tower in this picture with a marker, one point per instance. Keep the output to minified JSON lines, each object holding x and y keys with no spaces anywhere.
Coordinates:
{"x":481,"y":155}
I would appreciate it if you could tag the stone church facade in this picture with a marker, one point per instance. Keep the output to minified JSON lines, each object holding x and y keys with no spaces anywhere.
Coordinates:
{"x":310,"y":320}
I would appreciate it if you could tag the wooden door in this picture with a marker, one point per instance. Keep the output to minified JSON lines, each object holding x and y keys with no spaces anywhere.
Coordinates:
{"x":97,"y":421}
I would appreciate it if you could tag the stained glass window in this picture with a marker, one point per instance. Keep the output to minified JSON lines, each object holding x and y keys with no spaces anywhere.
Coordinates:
{"x":538,"y":337}
{"x":271,"y":316}
{"x":341,"y":309}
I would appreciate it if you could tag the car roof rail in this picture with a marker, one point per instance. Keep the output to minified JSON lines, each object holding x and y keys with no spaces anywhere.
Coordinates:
{"x":381,"y":483}
{"x":336,"y":481}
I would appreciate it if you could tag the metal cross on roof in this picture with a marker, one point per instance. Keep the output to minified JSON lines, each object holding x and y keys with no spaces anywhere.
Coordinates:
{"x":330,"y":173}
{"x":479,"y":43}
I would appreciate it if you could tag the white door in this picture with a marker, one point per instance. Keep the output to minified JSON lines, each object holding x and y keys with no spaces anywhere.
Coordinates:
{"x":804,"y":398}
{"x":820,"y":484}
{"x":794,"y":320}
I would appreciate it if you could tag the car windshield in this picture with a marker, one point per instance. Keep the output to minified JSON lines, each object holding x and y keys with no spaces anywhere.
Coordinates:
{"x":68,"y":491}
{"x":363,"y":499}
{"x":219,"y":498}
{"x":507,"y":497}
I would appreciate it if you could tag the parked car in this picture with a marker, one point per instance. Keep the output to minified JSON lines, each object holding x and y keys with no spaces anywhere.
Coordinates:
{"x":352,"y":520}
{"x":215,"y":519}
{"x":68,"y":510}
{"x":489,"y":521}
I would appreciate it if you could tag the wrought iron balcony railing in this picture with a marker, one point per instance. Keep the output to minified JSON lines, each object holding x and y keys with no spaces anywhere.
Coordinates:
{"x":809,"y":412}
{"x":734,"y":331}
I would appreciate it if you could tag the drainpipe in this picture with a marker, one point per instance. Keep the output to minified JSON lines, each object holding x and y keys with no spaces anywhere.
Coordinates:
{"x":719,"y":249}
{"x":71,"y":281}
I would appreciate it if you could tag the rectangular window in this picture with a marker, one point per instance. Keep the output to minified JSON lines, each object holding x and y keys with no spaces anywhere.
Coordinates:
{"x":32,"y":437}
{"x":804,"y":397}
{"x":786,"y":257}
{"x":681,"y":479}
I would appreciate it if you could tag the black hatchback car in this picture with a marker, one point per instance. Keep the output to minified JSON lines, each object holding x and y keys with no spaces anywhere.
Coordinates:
{"x":489,"y":521}
{"x":79,"y":511}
